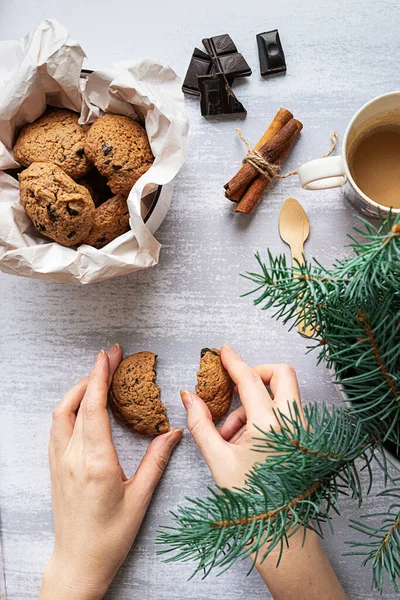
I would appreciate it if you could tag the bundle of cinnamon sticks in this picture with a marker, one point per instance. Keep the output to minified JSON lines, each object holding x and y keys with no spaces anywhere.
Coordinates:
{"x":248,"y":184}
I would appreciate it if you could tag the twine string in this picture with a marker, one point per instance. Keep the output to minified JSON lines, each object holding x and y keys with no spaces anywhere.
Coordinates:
{"x":269,"y":170}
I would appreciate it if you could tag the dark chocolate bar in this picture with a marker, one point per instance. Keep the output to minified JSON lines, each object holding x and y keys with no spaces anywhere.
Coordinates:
{"x":270,"y":53}
{"x":200,"y":64}
{"x":216,"y":96}
{"x":225,"y":56}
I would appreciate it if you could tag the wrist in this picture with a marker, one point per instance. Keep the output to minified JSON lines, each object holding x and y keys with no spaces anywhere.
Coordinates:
{"x":294,"y":546}
{"x":304,"y":571}
{"x":62,"y":581}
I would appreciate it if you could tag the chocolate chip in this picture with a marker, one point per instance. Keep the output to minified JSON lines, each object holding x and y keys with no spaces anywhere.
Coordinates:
{"x":40,"y":227}
{"x":117,"y":167}
{"x":80,"y":152}
{"x":106,"y":149}
{"x":52,"y":213}
{"x":204,"y":351}
{"x":72,"y":211}
{"x":71,"y":234}
{"x":107,"y":162}
{"x":100,"y":240}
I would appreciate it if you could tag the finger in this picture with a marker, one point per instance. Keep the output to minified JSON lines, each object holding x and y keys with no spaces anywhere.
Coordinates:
{"x":252,"y":391}
{"x":237,"y":435}
{"x":114,"y":355}
{"x":283,"y":383}
{"x":234,"y":422}
{"x":142,"y":484}
{"x":64,"y":416}
{"x":96,"y":428}
{"x":202,"y":428}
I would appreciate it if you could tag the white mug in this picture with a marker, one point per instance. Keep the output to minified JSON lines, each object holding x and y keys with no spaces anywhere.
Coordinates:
{"x":333,"y":171}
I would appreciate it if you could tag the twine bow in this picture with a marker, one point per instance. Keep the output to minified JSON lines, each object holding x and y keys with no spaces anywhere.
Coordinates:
{"x":269,"y":170}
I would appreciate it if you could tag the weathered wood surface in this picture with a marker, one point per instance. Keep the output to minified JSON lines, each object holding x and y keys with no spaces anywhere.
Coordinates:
{"x":339,"y":55}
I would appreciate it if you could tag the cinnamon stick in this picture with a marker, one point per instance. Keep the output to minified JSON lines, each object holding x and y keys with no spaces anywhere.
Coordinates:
{"x":282,"y":117}
{"x":269,"y":151}
{"x":260,"y":183}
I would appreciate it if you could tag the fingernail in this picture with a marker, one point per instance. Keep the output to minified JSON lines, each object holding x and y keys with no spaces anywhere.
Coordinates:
{"x":114,"y":349}
{"x":227,"y":348}
{"x":186,"y":398}
{"x":174,"y":436}
{"x":100,"y":356}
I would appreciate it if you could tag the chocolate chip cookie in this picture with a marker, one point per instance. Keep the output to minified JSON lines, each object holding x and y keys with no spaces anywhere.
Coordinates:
{"x":55,"y":137}
{"x":58,"y":207}
{"x":111,"y":219}
{"x":134,"y":396}
{"x":214,"y":384}
{"x":119,"y":148}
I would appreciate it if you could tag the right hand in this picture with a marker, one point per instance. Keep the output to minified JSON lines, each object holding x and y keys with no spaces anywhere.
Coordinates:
{"x":229,"y":452}
{"x":304,"y":572}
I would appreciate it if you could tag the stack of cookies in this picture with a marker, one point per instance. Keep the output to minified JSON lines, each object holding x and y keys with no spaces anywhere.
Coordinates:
{"x":78,"y":177}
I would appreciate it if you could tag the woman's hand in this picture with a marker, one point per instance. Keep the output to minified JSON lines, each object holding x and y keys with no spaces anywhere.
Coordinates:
{"x":229,"y":452}
{"x":97,"y":509}
{"x":304,"y":572}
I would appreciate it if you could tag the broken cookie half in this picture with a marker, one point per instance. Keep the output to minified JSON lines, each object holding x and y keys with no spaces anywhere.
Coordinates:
{"x":214,"y":384}
{"x":134,"y":396}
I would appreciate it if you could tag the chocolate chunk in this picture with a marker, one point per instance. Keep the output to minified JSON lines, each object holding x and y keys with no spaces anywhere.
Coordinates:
{"x":234,"y":65}
{"x":200,"y":64}
{"x":219,"y":44}
{"x":71,"y":234}
{"x":270,"y":53}
{"x":100,"y":240}
{"x":106,"y":149}
{"x":225,"y":57}
{"x":72,"y":211}
{"x":116,"y":167}
{"x":52,"y":213}
{"x":217,"y":97}
{"x":204,"y":351}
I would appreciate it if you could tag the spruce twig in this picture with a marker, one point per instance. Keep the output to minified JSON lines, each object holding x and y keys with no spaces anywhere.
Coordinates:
{"x":354,"y":310}
{"x":381,"y":544}
{"x":306,"y":467}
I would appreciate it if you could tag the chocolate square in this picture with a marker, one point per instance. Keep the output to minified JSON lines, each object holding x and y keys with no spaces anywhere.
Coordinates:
{"x":270,"y":53}
{"x":219,"y":44}
{"x":234,"y":65}
{"x":225,"y":57}
{"x":217,"y":97}
{"x":200,"y":64}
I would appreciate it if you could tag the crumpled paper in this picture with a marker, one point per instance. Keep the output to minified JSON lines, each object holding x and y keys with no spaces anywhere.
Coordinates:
{"x":44,"y":68}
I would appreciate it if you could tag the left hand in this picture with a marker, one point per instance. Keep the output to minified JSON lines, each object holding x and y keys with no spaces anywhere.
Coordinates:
{"x":97,"y":509}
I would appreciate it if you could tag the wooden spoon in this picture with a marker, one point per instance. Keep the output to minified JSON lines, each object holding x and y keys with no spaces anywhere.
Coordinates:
{"x":294,"y":229}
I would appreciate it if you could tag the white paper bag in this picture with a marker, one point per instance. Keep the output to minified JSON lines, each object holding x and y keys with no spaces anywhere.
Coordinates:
{"x":44,"y":68}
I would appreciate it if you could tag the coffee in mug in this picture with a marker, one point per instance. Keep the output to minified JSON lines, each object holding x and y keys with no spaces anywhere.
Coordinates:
{"x":374,"y":162}
{"x":368,"y":167}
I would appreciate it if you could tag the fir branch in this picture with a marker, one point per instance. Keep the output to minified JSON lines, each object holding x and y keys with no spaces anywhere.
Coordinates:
{"x":363,"y":351}
{"x":381,"y":544}
{"x":363,"y":318}
{"x":296,"y":486}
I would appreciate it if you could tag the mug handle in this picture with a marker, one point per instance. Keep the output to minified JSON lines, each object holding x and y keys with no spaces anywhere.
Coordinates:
{"x":322,"y":173}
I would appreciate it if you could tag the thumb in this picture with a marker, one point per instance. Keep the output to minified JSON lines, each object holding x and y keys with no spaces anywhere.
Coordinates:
{"x":153,"y":465}
{"x":202,"y":428}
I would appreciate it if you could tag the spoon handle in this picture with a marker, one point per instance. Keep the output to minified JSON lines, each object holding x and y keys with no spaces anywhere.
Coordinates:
{"x":297,"y":254}
{"x":298,"y":260}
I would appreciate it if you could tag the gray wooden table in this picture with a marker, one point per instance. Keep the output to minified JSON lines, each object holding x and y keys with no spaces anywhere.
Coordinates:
{"x":339,"y":55}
